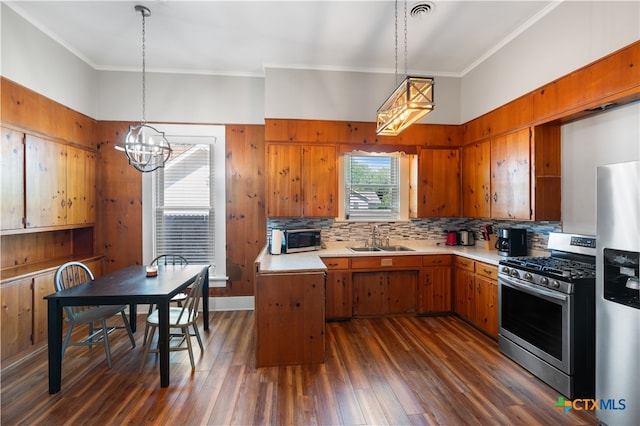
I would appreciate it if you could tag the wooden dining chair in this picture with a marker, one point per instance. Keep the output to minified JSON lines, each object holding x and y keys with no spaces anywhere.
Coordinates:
{"x":165,"y":260}
{"x":73,"y":274}
{"x":181,"y":318}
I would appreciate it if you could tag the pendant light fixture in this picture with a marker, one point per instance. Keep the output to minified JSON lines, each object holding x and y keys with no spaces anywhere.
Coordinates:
{"x":146,"y":148}
{"x":411,"y":100}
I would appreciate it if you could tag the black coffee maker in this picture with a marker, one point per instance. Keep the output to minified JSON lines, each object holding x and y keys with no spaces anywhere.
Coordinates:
{"x":512,"y":242}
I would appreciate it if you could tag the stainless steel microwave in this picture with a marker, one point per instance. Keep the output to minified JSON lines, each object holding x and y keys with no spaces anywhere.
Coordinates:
{"x":298,"y":240}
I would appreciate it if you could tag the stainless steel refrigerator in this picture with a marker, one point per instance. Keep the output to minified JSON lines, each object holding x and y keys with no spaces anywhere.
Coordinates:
{"x":618,"y":294}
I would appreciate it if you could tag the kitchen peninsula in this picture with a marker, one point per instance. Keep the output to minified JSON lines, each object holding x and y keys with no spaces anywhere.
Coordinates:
{"x":294,"y":299}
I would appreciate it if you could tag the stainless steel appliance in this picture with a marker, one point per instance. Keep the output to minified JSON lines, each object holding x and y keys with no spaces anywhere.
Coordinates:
{"x":547,"y":313}
{"x":467,"y":238}
{"x":617,"y":306}
{"x":299,"y":240}
{"x":512,"y":242}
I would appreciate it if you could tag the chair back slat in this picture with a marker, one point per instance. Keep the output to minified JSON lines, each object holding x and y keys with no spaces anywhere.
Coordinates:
{"x":70,"y":275}
{"x":170,"y":259}
{"x":190,"y":305}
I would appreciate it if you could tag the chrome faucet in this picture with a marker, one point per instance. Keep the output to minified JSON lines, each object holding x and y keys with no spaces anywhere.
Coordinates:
{"x":373,"y":235}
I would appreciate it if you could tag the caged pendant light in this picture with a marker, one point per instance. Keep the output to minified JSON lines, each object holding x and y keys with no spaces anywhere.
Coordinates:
{"x":146,"y":148}
{"x":411,"y":100}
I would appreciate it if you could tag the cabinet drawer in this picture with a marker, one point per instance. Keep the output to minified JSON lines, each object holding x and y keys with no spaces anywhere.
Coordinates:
{"x":464,"y":263}
{"x":386,"y":262}
{"x":336,"y":262}
{"x":436,"y":260}
{"x":486,"y":270}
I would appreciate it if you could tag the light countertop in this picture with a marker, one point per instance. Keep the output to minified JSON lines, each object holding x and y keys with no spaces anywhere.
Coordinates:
{"x":312,"y":261}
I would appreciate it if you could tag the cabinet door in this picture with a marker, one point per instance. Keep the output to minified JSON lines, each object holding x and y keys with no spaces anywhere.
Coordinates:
{"x":283,"y":180}
{"x":339,"y":295}
{"x":401,"y":289}
{"x":46,"y":181}
{"x":369,"y":293}
{"x":81,"y":186}
{"x":464,"y":294}
{"x":319,"y":181}
{"x":511,"y":176}
{"x":486,"y":315}
{"x":42,"y":286}
{"x":476,"y":180}
{"x":434,"y":291}
{"x":12,"y":179}
{"x":16,"y":320}
{"x":438,"y":183}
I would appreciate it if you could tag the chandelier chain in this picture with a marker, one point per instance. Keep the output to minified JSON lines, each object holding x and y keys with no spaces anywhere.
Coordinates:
{"x":406,"y":50}
{"x":396,"y":39}
{"x":144,"y":82}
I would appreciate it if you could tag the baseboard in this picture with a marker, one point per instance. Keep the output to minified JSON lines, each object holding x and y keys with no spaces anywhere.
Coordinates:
{"x":231,"y":303}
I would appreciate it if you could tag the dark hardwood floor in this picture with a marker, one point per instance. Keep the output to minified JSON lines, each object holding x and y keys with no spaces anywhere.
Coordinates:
{"x":398,"y":370}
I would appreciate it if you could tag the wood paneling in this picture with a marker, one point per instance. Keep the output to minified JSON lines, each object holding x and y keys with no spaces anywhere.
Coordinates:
{"x":319,"y":181}
{"x":27,"y":109}
{"x":511,"y":176}
{"x":359,"y":133}
{"x":476,"y":180}
{"x":15,"y":317}
{"x":438,"y":188}
{"x":246,"y":221}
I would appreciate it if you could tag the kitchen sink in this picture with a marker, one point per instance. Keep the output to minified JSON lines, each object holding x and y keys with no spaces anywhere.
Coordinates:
{"x":396,"y":248}
{"x":381,"y":248}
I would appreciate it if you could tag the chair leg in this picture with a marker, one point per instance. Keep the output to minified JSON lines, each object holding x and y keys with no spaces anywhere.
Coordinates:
{"x":197,"y":334}
{"x":187,"y":335}
{"x":66,"y":340}
{"x":128,"y":327}
{"x":147,"y":346}
{"x":146,"y":326}
{"x":105,"y":341}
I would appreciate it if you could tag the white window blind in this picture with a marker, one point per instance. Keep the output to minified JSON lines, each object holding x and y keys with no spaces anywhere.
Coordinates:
{"x":372,"y":188}
{"x":184,"y":208}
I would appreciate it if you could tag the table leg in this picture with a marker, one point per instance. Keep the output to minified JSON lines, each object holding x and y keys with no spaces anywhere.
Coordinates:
{"x":133,"y":317}
{"x":205,"y":301}
{"x":163,"y":341}
{"x":54,"y":330}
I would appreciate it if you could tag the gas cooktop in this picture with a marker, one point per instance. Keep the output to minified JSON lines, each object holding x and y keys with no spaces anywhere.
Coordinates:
{"x":553,"y":267}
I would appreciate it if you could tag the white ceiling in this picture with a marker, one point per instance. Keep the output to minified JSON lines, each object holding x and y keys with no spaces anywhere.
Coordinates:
{"x":244,"y":37}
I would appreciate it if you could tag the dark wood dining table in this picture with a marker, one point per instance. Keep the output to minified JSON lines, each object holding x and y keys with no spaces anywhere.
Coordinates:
{"x":128,"y":286}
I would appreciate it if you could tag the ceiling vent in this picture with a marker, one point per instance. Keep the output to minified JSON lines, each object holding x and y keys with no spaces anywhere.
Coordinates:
{"x":421,"y":9}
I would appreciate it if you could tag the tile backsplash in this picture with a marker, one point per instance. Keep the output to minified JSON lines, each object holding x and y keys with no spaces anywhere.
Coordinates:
{"x":415,"y":229}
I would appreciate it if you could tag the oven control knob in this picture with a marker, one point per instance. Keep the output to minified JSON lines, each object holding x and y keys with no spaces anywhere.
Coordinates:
{"x":544,"y":281}
{"x":527,"y":276}
{"x":505,"y":269}
{"x":555,"y":284}
{"x":514,"y":273}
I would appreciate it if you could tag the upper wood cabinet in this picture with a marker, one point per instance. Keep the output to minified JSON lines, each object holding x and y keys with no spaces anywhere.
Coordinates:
{"x":510,"y":176}
{"x":60,"y":184}
{"x":301,"y":180}
{"x":476,"y":180}
{"x":12,"y":179}
{"x":438,"y":189}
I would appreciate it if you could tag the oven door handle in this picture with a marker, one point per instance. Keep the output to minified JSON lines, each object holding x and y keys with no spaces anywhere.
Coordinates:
{"x":534,"y":291}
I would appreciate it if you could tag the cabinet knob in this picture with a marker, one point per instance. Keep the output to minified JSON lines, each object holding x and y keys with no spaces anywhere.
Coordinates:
{"x":69,"y":203}
{"x":63,"y":203}
{"x":495,"y":197}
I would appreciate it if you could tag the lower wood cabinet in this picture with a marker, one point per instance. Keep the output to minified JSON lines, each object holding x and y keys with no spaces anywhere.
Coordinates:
{"x":434,"y":286}
{"x":384,"y":292}
{"x":476,"y":294}
{"x":338,"y":289}
{"x":23,"y":310}
{"x":289,"y":318}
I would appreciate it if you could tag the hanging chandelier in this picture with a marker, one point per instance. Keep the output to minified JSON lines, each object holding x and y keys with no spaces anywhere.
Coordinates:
{"x":146,"y":148}
{"x":410,"y":101}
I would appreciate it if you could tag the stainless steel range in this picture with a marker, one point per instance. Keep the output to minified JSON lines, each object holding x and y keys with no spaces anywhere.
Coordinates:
{"x":547,"y":313}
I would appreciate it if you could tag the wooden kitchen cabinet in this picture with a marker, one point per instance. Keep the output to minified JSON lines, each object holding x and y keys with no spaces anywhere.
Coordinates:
{"x":434,"y":286}
{"x":301,"y":180}
{"x":16,"y":301}
{"x":510,"y":176}
{"x":438,"y":189}
{"x":384,"y":292}
{"x":338,"y":289}
{"x":289,"y":318}
{"x":60,"y":184}
{"x":476,"y":294}
{"x":12,"y":179}
{"x":476,"y":180}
